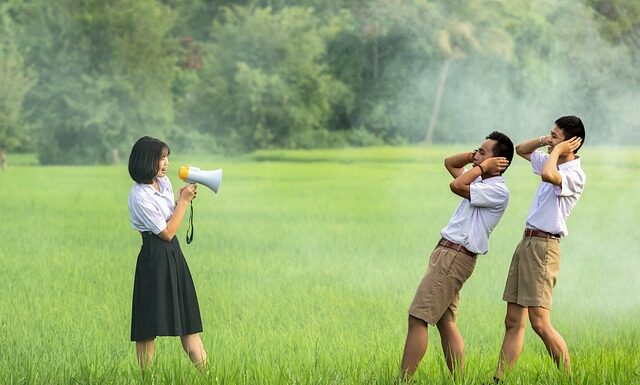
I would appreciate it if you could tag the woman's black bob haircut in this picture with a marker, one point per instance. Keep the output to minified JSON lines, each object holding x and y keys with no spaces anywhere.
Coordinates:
{"x":145,"y":158}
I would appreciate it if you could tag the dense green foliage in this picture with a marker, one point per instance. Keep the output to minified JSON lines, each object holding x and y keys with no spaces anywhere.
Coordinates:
{"x":82,"y":79}
{"x":304,"y":271}
{"x":16,"y":79}
{"x":105,"y":75}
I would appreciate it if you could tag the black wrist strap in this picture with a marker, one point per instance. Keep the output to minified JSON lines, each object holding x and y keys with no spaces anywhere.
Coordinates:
{"x":190,"y":228}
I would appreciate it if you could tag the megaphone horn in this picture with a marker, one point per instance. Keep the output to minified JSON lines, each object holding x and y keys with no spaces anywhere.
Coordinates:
{"x":211,"y":179}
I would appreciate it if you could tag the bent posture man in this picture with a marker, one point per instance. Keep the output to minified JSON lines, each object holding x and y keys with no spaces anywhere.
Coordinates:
{"x":485,"y":197}
{"x":536,"y":261}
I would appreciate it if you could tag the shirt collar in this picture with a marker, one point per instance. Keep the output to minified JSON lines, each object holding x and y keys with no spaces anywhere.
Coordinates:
{"x":572,"y":163}
{"x":149,"y":188}
{"x":493,"y":179}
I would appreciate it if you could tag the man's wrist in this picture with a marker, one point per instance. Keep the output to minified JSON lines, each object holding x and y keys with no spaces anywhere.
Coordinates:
{"x":470,"y":157}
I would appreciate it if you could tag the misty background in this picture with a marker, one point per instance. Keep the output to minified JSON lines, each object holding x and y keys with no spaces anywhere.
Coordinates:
{"x":81,"y":80}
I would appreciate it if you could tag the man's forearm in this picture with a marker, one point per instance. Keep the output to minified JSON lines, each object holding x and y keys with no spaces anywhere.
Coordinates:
{"x":468,"y":177}
{"x":459,"y":160}
{"x":455,"y":163}
{"x":462,"y":184}
{"x":529,"y":146}
{"x":550,"y":172}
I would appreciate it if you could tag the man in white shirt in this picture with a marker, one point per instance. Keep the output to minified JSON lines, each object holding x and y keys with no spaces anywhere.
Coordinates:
{"x":484,"y":199}
{"x":536,"y":261}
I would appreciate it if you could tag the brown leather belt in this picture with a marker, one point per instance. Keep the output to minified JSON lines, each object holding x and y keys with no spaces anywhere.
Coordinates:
{"x":539,"y":234}
{"x":456,"y":246}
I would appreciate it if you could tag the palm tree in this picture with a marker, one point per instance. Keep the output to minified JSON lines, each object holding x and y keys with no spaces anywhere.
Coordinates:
{"x":461,"y":36}
{"x":450,"y":52}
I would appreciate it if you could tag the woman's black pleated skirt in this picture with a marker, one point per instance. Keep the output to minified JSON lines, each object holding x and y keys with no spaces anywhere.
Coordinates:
{"x":164,"y":297}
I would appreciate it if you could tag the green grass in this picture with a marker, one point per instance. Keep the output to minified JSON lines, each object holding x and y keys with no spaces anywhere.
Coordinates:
{"x":305,"y":264}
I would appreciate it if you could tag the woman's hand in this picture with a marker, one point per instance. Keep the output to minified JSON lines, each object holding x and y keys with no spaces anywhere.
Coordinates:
{"x":186,"y":195}
{"x":188,"y":192}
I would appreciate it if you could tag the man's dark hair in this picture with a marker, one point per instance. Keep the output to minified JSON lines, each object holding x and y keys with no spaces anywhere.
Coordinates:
{"x":571,"y":127}
{"x":503,"y":146}
{"x":145,"y":158}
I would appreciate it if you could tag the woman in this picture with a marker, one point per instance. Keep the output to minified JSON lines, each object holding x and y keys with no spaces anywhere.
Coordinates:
{"x":164,"y":296}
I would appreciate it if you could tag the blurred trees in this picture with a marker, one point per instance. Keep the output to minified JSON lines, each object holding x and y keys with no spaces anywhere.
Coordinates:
{"x":465,"y":28}
{"x":620,"y":22}
{"x":265,"y":83}
{"x":106,"y":72}
{"x":82,"y":79}
{"x":16,"y":78}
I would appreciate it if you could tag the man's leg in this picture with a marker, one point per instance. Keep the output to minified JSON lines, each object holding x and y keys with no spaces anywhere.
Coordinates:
{"x":415,"y":346}
{"x":452,"y":345}
{"x":514,"y":324}
{"x":541,"y":322}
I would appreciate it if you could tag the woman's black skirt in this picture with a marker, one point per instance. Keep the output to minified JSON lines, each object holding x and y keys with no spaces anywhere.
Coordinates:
{"x":164,"y":297}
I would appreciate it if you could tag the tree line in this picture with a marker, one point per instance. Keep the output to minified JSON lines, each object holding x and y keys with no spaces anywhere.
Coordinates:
{"x":80,"y":80}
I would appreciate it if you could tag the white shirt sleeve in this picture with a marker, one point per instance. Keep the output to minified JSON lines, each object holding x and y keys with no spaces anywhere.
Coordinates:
{"x":487,"y":195}
{"x":572,"y":183}
{"x":538,"y":160}
{"x":145,"y":211}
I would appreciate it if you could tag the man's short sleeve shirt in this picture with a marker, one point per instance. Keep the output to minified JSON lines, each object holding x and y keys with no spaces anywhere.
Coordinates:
{"x":475,"y":218}
{"x":552,"y":204}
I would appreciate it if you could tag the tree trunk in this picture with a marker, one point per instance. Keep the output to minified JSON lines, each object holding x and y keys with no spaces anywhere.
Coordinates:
{"x":442,"y":80}
{"x":375,"y":59}
{"x":115,"y":156}
{"x":3,"y":160}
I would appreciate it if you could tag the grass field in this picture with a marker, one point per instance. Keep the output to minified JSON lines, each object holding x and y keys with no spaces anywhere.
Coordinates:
{"x":305,"y":264}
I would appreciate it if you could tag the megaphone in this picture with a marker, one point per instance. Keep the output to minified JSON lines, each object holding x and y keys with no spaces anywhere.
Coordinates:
{"x":211,"y":179}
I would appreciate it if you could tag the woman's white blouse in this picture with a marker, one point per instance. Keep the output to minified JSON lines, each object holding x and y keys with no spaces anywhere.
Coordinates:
{"x":150,"y":209}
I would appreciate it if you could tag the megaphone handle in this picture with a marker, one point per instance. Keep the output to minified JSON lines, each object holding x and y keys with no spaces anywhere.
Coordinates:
{"x":190,"y":228}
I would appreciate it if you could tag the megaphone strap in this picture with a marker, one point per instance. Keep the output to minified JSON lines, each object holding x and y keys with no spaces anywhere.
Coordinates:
{"x":190,"y":228}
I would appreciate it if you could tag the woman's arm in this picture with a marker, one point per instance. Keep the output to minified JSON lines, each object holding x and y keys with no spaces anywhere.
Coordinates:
{"x":187,"y":194}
